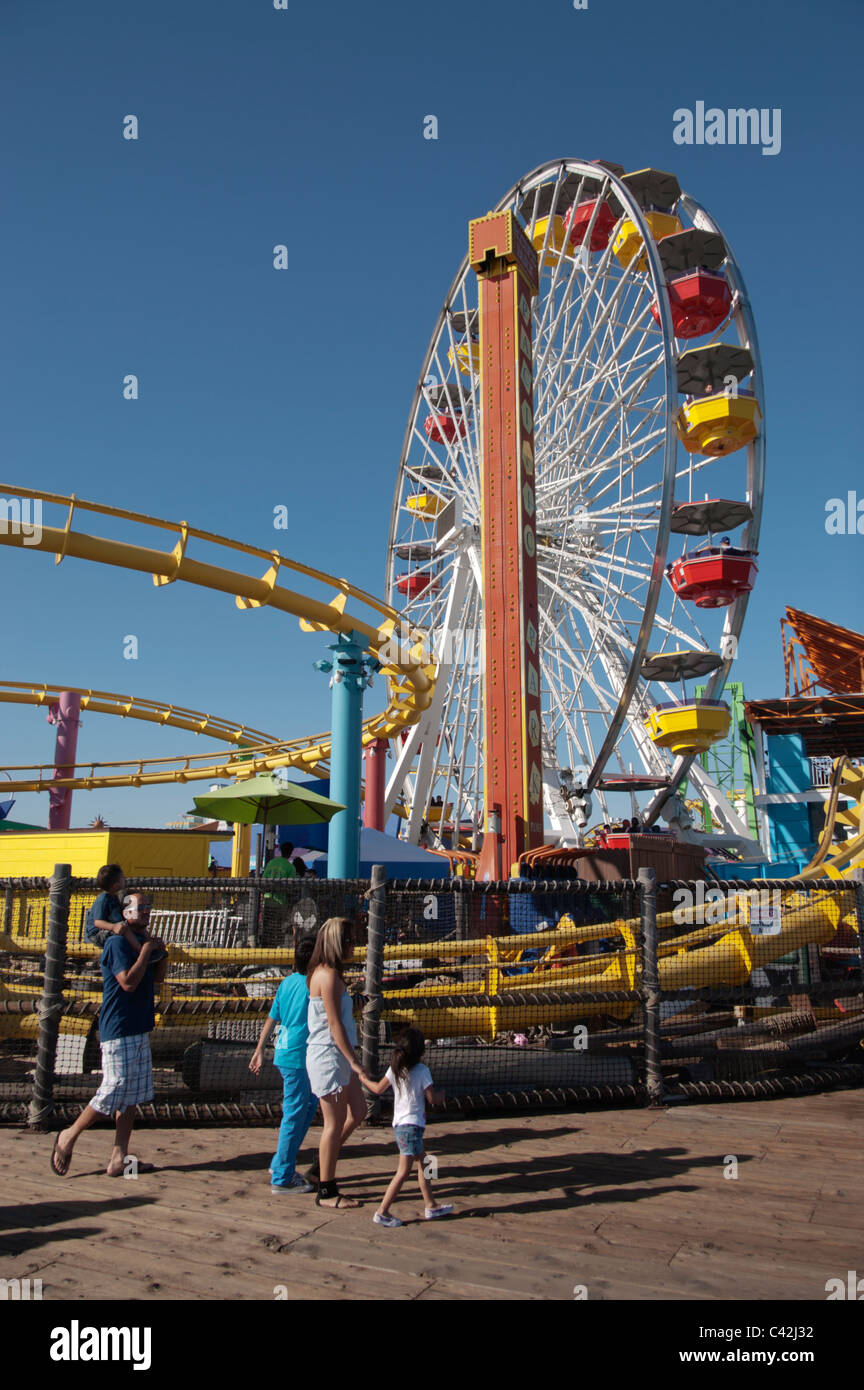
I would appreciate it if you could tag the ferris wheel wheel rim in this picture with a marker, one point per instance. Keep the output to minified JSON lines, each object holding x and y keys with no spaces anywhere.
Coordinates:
{"x":745,"y":326}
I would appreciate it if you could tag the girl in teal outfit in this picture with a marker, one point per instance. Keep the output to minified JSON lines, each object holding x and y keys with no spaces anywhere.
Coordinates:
{"x":289,"y":1011}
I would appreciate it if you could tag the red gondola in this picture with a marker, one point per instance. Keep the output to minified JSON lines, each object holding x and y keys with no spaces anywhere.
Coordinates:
{"x":444,"y":427}
{"x":700,"y":302}
{"x":577,"y":221}
{"x":714,"y":577}
{"x":417,"y":583}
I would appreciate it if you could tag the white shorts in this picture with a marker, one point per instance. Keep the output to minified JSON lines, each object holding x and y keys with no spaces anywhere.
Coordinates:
{"x":127,"y":1074}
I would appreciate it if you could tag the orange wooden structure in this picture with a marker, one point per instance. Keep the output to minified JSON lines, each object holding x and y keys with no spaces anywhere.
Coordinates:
{"x":819,"y":653}
{"x":506,"y":267}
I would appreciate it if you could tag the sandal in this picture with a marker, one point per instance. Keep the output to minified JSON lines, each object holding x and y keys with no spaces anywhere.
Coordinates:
{"x":337,"y":1201}
{"x":60,"y":1161}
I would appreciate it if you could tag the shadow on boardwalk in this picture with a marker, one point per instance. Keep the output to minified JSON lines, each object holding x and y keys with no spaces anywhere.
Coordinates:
{"x":634,"y":1204}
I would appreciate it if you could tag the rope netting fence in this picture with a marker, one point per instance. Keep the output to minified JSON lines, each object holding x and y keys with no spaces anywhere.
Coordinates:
{"x":529,"y":993}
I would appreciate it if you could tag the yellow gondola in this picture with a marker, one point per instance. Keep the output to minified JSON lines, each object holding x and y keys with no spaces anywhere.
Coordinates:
{"x":558,"y":243}
{"x":466,"y":357}
{"x":628,"y":244}
{"x":689,"y":728}
{"x":718,"y":424}
{"x":426,"y":504}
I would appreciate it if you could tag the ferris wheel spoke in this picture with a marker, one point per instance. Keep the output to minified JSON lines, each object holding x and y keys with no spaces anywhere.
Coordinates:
{"x":617,"y":394}
{"x":577,"y":361}
{"x":581,"y":441}
{"x":598,"y":276}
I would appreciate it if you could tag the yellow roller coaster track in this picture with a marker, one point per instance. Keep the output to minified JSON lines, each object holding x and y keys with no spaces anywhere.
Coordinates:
{"x":409,"y":673}
{"x":839,"y":860}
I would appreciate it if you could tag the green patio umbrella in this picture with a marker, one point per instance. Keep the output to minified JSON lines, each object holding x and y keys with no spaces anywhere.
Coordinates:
{"x":267,"y":800}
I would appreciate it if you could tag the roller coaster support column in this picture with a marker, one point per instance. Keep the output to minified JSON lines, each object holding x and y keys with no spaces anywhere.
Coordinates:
{"x":240,"y":848}
{"x":506,"y":266}
{"x":375,"y":758}
{"x":65,"y":714}
{"x":351,"y":670}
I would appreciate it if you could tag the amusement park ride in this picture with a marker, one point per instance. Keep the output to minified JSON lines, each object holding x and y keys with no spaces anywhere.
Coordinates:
{"x":627,"y":437}
{"x":566,"y":424}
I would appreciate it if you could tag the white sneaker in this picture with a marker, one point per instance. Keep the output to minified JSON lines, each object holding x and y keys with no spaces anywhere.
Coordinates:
{"x":297,"y":1184}
{"x":443,"y":1209}
{"x":386,"y":1220}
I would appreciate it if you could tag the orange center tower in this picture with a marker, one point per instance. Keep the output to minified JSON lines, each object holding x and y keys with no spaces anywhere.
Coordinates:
{"x":506,"y":266}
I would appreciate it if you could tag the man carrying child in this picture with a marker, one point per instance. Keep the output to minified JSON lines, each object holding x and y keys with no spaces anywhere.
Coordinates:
{"x":133,"y":963}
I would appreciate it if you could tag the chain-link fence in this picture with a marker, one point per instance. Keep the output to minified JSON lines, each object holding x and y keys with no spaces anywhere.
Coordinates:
{"x":529,"y":993}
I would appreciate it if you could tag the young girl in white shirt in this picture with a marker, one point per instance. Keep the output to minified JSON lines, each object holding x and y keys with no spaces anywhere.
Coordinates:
{"x":412,"y":1086}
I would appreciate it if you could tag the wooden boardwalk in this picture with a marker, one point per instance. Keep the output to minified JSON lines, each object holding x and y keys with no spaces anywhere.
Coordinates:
{"x":630,"y":1204}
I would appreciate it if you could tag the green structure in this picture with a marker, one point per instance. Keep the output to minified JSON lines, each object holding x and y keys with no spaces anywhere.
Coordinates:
{"x":731,"y":762}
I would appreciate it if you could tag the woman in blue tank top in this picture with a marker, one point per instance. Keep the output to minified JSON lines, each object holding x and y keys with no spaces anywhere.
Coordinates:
{"x":334,"y":1072}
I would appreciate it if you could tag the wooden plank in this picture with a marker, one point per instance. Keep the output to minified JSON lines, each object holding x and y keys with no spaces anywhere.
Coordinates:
{"x":442,"y":1290}
{"x":838,"y":1213}
{"x":751,"y":1277}
{"x":172,"y":1275}
{"x":397,"y":1256}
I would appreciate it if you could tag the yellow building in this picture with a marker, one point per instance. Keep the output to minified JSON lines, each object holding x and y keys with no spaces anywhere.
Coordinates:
{"x":142,"y":853}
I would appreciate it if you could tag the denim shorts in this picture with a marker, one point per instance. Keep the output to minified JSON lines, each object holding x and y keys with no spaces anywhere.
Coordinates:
{"x":409,"y":1139}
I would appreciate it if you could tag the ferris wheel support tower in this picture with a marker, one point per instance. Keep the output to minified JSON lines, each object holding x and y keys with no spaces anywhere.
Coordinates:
{"x":506,"y":266}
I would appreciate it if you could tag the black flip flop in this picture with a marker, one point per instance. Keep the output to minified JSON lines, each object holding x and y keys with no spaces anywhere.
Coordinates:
{"x":66,"y":1159}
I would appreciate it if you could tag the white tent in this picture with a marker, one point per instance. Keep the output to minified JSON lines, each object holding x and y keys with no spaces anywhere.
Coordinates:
{"x":401,"y":859}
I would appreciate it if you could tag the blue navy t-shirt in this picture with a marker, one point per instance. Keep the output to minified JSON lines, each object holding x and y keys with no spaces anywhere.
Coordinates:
{"x":124,"y":1013}
{"x":106,"y":908}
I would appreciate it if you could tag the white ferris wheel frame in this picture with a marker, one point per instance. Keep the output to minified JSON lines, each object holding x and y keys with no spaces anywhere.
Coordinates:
{"x":621,"y":662}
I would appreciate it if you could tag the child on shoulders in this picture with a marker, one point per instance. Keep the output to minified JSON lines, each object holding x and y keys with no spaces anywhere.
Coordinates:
{"x":107,"y":917}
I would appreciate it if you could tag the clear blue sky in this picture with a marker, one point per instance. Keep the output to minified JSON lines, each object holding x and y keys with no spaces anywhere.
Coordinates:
{"x":261,"y":388}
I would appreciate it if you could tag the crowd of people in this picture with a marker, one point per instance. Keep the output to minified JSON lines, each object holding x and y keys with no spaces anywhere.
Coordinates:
{"x":634,"y":826}
{"x":314,"y":1052}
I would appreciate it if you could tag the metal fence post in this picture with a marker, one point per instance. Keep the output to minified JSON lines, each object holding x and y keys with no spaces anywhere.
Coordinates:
{"x":8,"y":909}
{"x":254,"y":909}
{"x":51,"y":1004}
{"x":857,"y":877}
{"x":650,"y":986}
{"x":372,"y":987}
{"x":462,"y":915}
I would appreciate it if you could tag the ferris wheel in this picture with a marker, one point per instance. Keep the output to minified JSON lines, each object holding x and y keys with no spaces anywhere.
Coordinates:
{"x":648,"y":421}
